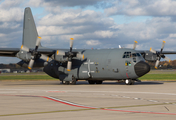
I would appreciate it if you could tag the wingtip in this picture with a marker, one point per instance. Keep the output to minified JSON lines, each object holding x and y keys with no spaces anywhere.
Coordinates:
{"x":71,"y":38}
{"x":150,"y":48}
{"x":135,"y":41}
{"x":164,"y":41}
{"x":68,"y":70}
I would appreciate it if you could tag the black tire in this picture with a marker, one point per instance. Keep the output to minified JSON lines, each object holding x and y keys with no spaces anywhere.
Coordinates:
{"x":132,"y":82}
{"x":66,"y":83}
{"x":99,"y":82}
{"x":91,"y":81}
{"x":73,"y":81}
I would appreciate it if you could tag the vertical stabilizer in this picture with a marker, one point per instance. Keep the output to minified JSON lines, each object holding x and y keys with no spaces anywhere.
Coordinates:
{"x":29,"y":29}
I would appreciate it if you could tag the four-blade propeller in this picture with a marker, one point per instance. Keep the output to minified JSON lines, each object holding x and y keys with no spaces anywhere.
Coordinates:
{"x":34,"y":53}
{"x":71,"y":54}
{"x":159,"y":55}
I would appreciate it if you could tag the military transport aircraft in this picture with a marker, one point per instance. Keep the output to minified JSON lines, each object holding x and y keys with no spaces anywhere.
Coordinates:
{"x":70,"y":65}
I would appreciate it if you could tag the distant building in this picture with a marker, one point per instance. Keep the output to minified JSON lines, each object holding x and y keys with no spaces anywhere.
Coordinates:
{"x":4,"y":70}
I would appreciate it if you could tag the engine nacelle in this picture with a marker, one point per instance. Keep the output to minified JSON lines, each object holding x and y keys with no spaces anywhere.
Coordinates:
{"x":149,"y":56}
{"x":26,"y":56}
{"x":60,"y":56}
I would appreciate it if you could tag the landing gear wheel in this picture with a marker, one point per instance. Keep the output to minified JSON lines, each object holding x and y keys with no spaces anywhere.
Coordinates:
{"x":91,"y":81}
{"x":73,"y":82}
{"x":99,"y":82}
{"x":129,"y":82}
{"x":132,"y":82}
{"x":65,"y":82}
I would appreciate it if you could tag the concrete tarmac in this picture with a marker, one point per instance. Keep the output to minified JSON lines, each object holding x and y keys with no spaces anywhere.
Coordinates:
{"x":50,"y":100}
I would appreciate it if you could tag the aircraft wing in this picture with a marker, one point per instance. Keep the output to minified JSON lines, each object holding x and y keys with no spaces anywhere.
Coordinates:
{"x":47,"y":52}
{"x":9,"y":52}
{"x":163,"y":52}
{"x":169,"y":52}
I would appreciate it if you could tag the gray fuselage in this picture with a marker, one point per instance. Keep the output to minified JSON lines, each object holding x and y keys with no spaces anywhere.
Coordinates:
{"x":99,"y":64}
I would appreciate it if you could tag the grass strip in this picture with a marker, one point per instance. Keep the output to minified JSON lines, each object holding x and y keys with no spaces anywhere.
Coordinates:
{"x":27,"y":77}
{"x":166,"y":77}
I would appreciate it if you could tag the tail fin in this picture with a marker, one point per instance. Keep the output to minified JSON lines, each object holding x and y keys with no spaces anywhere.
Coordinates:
{"x":29,"y":29}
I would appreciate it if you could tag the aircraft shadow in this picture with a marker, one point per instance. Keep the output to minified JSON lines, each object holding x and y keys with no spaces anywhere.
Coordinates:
{"x":80,"y":83}
{"x":122,"y":83}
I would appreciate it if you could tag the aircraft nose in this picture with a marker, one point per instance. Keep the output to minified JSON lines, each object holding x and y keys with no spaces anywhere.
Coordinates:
{"x":141,"y":68}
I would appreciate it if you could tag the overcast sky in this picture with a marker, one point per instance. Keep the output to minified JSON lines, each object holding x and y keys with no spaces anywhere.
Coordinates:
{"x":92,"y":23}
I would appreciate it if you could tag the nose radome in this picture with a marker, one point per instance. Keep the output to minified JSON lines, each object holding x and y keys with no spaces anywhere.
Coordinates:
{"x":141,"y":68}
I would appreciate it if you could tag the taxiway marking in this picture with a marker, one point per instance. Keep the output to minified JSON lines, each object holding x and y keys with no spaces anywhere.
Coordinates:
{"x":91,"y":107}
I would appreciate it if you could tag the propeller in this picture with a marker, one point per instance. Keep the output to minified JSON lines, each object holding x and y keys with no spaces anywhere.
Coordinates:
{"x":34,"y":53}
{"x":134,"y":46}
{"x":159,"y":55}
{"x":71,"y":54}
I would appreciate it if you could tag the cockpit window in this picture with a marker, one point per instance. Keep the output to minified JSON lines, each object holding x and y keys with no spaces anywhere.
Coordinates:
{"x":138,"y":54}
{"x":134,"y":55}
{"x":127,"y":55}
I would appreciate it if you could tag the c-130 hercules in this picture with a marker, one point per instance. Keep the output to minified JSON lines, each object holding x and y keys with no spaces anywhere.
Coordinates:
{"x":70,"y":65}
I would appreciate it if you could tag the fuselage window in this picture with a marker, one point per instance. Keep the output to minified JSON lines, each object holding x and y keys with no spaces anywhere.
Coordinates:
{"x":127,"y":55}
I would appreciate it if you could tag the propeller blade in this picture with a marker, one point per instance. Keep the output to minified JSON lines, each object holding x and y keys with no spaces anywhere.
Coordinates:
{"x":71,"y":44}
{"x":69,"y":64}
{"x":135,"y":43}
{"x":24,"y":48}
{"x":152,"y":50}
{"x":156,"y":64}
{"x":167,"y":59}
{"x":37,"y":43}
{"x":31,"y":63}
{"x":44,"y":57}
{"x":162,"y":47}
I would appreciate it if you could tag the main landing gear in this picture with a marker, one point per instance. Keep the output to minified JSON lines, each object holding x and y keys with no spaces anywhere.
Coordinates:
{"x":73,"y":82}
{"x":95,"y":81}
{"x":129,"y":82}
